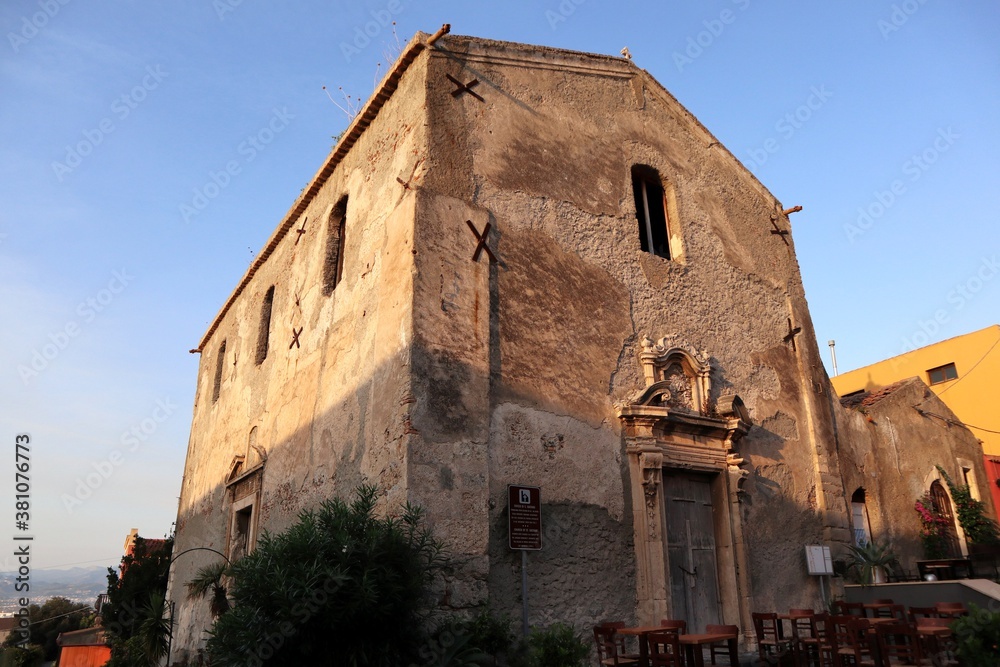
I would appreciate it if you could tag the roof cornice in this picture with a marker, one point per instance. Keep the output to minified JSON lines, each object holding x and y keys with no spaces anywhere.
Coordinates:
{"x":366,"y":115}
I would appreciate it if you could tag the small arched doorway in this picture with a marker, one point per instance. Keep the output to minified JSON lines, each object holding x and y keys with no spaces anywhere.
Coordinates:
{"x":942,"y":506}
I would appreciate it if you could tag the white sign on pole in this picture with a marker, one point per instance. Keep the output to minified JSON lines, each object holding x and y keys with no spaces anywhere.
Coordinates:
{"x":819,"y":560}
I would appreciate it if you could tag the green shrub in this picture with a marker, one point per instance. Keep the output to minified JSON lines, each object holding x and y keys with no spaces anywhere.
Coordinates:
{"x":978,"y":528}
{"x":12,"y":656}
{"x":453,"y":644}
{"x":556,"y":646}
{"x":978,"y":638}
{"x":134,"y":615}
{"x":340,"y":587}
{"x":490,"y":633}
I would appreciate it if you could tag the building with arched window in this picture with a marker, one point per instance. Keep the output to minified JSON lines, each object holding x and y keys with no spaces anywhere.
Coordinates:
{"x":531,"y":266}
{"x":962,"y":371}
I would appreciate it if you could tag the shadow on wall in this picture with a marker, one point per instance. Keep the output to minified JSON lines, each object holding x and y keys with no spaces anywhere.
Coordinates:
{"x":577,"y":550}
{"x":777,"y":530}
{"x":376,"y":432}
{"x":586,"y":570}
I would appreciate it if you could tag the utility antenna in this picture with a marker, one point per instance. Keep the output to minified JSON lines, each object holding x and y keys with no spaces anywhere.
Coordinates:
{"x":833,"y":354}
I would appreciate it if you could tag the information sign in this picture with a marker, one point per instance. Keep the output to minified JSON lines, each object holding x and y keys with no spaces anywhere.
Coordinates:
{"x":524,"y":511}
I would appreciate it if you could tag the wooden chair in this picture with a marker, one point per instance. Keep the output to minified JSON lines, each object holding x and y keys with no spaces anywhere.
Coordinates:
{"x":842,"y":608}
{"x":771,"y":642}
{"x":665,"y":648}
{"x":608,"y":642}
{"x":897,"y":612}
{"x":800,"y":623}
{"x":857,"y":650}
{"x":717,"y":650}
{"x":839,"y":643}
{"x":899,"y":644}
{"x":619,"y":639}
{"x":884,"y":610}
{"x":808,"y":633}
{"x":680,"y":626}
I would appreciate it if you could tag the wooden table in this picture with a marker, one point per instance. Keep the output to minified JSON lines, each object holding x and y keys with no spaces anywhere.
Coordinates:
{"x":934,"y":630}
{"x":692,"y":644}
{"x":641,"y":632}
{"x":946,"y":568}
{"x":695,"y":655}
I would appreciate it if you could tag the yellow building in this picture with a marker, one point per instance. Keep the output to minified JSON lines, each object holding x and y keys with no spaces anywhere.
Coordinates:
{"x":962,"y":371}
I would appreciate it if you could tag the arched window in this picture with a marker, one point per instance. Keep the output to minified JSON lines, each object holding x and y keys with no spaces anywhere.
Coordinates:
{"x":942,"y":505}
{"x":859,"y":518}
{"x":658,"y":231}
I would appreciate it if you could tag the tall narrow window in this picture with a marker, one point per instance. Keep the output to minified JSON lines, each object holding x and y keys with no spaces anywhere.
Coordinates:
{"x":220,"y":362}
{"x":333,"y":267}
{"x":240,"y":536}
{"x":652,"y":210}
{"x":264,"y":334}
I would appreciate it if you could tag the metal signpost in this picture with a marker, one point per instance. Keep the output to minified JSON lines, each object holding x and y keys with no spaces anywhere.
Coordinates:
{"x":524,"y":524}
{"x":820,"y":563}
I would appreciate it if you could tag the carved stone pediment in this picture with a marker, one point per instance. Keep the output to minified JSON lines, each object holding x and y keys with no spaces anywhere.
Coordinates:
{"x":235,"y":468}
{"x":241,"y":480}
{"x":671,"y":415}
{"x":681,"y":374}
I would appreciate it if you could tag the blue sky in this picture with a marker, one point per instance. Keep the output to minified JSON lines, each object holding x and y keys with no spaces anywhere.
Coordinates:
{"x":881,"y":118}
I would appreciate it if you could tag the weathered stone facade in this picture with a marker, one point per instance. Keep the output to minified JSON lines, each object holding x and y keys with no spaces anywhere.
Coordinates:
{"x":893,"y":439}
{"x":674,"y":411}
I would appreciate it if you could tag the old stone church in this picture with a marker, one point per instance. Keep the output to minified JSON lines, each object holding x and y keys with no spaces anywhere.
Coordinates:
{"x":523,"y":265}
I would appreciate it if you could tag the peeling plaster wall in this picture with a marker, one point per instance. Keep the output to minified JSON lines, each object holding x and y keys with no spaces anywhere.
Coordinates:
{"x":890,"y":450}
{"x":443,"y":379}
{"x":545,"y":157}
{"x":332,"y":411}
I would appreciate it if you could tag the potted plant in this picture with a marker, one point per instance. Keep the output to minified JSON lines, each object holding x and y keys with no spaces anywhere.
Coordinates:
{"x":870,"y":560}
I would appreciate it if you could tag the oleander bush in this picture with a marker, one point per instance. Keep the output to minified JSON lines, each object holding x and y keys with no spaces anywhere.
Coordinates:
{"x":978,"y":637}
{"x":340,"y":587}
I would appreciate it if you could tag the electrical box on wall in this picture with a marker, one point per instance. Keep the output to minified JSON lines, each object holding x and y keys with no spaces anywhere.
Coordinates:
{"x":818,"y":560}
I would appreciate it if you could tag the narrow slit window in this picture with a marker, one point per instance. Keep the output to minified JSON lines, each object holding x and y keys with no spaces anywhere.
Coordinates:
{"x":220,"y":362}
{"x":333,"y":266}
{"x":264,"y":335}
{"x":653,"y":214}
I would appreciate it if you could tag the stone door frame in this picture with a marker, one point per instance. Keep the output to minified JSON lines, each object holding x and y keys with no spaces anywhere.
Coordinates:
{"x":662,"y":432}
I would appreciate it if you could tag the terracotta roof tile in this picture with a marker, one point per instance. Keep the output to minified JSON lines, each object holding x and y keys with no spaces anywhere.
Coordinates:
{"x":870,"y":398}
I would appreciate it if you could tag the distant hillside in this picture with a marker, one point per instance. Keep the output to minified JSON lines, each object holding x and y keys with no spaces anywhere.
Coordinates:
{"x":79,"y":584}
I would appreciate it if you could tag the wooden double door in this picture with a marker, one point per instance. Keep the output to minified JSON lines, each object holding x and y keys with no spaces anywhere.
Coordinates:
{"x":692,"y":563}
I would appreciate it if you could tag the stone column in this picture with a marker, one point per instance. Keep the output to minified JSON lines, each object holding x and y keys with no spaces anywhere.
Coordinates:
{"x":645,"y":468}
